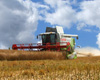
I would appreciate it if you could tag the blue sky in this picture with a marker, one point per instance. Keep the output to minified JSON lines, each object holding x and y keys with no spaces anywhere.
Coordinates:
{"x":22,"y":20}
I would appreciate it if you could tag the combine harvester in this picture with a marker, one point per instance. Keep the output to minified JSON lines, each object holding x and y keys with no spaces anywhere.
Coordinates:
{"x":53,"y":39}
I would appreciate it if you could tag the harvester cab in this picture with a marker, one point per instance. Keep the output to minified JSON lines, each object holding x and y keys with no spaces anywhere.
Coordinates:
{"x":56,"y":35}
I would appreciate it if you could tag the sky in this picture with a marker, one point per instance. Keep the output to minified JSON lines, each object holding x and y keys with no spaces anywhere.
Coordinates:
{"x":22,"y":20}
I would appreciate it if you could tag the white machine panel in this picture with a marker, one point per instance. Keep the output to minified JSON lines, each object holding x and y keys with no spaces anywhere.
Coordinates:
{"x":59,"y":30}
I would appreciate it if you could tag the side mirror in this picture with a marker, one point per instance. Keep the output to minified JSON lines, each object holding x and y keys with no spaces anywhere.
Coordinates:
{"x":76,"y":37}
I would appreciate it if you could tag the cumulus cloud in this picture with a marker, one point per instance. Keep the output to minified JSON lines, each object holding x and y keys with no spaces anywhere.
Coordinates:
{"x":90,"y":13}
{"x":62,"y":14}
{"x":18,"y":21}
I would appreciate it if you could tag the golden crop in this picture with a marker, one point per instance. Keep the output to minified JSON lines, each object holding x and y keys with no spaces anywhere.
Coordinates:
{"x":83,"y":68}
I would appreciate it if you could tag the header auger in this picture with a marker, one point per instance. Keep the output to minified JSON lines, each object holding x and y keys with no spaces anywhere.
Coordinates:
{"x":53,"y":39}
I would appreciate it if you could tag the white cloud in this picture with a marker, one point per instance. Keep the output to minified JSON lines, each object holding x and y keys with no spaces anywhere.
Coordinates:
{"x":81,"y":25}
{"x":98,"y":40}
{"x":18,"y":21}
{"x":56,"y":3}
{"x":90,"y":13}
{"x":63,"y":13}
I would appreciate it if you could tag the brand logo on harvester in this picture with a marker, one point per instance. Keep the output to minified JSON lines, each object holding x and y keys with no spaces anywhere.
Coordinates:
{"x":63,"y":39}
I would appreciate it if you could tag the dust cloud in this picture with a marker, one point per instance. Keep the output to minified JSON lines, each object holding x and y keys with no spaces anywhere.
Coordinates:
{"x":87,"y":52}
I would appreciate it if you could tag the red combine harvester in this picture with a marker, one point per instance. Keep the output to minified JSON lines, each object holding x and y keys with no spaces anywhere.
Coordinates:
{"x":53,"y":39}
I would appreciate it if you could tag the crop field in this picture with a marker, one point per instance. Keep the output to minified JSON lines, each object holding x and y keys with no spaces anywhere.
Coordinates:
{"x":54,"y":68}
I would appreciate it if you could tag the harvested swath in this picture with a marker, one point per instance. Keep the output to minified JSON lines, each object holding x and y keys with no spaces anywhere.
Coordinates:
{"x":30,"y":55}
